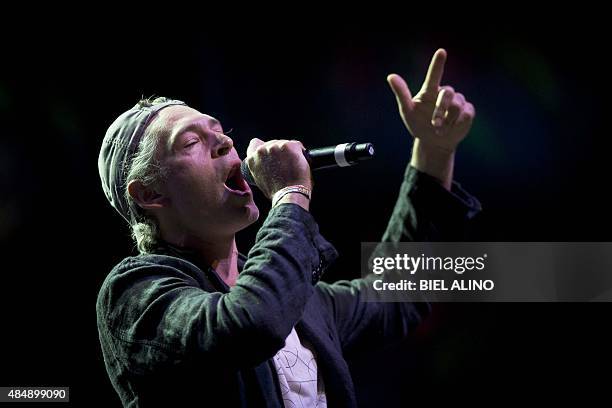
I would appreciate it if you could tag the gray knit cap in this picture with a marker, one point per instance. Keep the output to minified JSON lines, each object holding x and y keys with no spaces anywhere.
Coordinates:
{"x":120,"y":146}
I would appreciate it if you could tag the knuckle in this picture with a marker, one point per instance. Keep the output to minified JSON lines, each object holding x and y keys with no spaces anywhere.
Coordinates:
{"x":261,"y":149}
{"x":297,"y":145}
{"x":455,"y":108}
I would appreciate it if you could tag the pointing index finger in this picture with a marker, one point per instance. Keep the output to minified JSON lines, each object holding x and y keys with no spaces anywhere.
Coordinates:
{"x":435,"y":71}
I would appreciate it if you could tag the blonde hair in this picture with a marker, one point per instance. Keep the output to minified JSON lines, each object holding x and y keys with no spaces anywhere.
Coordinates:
{"x":145,"y":167}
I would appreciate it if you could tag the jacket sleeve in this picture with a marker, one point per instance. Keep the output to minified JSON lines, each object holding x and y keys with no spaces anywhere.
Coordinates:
{"x":158,"y":314}
{"x":424,"y":211}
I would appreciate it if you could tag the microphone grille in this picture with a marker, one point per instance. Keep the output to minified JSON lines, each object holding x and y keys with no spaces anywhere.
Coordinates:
{"x":246,"y":173}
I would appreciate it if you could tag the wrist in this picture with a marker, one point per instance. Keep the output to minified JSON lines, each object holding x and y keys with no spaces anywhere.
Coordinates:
{"x":297,"y":194}
{"x":295,"y":198}
{"x":436,"y":161}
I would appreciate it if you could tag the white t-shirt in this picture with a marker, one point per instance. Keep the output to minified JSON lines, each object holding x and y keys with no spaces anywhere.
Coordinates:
{"x":296,"y":365}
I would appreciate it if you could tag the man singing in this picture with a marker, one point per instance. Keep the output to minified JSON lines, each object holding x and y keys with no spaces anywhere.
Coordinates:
{"x":192,"y":322}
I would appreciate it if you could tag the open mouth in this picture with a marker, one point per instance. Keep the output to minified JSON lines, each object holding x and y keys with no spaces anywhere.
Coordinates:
{"x":236,"y":183}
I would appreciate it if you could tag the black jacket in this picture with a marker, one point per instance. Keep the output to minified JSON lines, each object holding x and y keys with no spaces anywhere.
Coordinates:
{"x":174,"y":334}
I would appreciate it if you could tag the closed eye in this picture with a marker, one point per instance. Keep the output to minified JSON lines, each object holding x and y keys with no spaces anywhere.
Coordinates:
{"x":191,"y":143}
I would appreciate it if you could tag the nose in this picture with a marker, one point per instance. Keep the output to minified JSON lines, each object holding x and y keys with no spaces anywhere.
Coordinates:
{"x":222,"y":146}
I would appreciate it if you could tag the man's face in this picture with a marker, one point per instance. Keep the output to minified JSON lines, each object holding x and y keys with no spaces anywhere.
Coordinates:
{"x":206,"y":193}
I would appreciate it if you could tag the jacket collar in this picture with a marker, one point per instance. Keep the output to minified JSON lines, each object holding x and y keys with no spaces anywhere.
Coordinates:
{"x":166,"y":248}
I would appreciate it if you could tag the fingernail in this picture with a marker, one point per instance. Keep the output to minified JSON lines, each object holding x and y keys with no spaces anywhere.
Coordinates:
{"x":437,"y":122}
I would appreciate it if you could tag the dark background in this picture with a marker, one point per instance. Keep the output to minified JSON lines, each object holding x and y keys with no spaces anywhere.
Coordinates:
{"x":536,"y":158}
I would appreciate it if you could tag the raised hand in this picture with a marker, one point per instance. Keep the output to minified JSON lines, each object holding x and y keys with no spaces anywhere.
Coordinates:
{"x":438,"y":117}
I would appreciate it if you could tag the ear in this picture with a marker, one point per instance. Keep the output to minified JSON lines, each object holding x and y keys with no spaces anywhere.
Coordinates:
{"x":146,"y":197}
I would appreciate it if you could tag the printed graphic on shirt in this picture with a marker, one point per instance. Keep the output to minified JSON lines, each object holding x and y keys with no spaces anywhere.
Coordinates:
{"x":298,"y":376}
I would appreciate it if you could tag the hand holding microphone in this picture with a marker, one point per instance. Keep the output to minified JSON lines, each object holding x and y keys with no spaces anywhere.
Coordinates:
{"x":268,"y":158}
{"x":342,"y":155}
{"x":276,"y":164}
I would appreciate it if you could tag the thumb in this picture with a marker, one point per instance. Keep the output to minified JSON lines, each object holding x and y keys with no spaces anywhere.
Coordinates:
{"x":402,"y":93}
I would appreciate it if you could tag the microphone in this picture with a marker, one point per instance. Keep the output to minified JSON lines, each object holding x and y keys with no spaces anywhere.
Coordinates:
{"x":342,"y":155}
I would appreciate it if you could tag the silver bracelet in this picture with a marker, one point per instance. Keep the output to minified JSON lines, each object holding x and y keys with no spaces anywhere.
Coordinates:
{"x":290,"y":189}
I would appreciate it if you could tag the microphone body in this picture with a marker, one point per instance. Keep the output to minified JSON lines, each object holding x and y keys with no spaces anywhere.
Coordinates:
{"x":342,"y":155}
